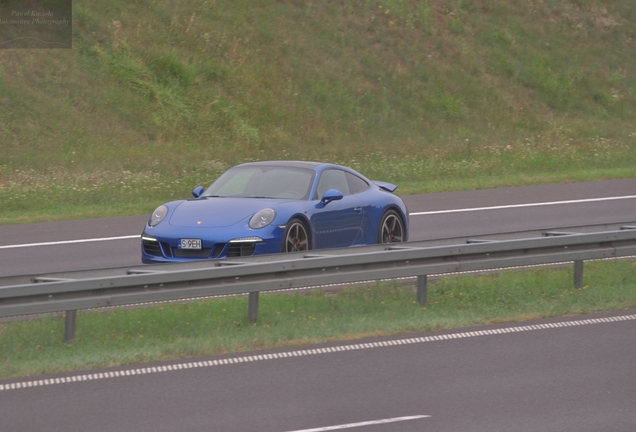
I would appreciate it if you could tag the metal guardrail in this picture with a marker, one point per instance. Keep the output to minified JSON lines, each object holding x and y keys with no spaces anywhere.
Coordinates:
{"x":72,"y":291}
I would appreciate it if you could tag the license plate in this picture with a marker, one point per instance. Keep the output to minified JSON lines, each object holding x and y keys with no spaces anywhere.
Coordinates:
{"x":190,"y":244}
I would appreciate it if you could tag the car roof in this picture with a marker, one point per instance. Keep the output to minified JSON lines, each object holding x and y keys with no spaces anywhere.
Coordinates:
{"x":287,"y":163}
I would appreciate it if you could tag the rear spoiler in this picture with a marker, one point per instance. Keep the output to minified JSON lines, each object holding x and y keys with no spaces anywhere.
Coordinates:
{"x":386,"y":186}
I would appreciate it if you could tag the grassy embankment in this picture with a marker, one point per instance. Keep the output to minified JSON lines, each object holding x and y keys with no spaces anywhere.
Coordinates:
{"x":210,"y":327}
{"x":431,"y":95}
{"x":158,"y":97}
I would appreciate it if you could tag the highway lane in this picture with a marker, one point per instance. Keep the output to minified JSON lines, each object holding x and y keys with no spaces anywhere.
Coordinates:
{"x":571,"y":374}
{"x":569,"y":378}
{"x":59,"y":255}
{"x":497,"y":220}
{"x":51,"y":247}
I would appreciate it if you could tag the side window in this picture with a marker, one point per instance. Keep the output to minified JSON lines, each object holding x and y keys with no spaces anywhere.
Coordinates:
{"x":332,"y":179}
{"x":356,"y":184}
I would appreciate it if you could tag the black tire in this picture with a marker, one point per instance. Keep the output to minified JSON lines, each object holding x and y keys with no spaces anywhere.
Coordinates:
{"x":391,"y":229}
{"x":296,"y":237}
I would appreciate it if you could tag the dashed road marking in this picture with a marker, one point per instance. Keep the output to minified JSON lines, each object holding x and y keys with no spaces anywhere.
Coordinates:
{"x":308,"y":352}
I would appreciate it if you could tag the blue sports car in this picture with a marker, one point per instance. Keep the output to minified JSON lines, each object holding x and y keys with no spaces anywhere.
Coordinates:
{"x":277,"y":206}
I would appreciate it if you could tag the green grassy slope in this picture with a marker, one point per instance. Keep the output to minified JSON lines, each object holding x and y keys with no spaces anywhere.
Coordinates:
{"x":160,"y":95}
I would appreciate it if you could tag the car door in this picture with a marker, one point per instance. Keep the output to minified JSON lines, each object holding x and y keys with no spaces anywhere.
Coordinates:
{"x":337,"y":223}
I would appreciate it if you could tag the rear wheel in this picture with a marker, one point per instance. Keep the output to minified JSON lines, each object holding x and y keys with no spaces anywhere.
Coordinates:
{"x":296,"y":238}
{"x":391,"y":228}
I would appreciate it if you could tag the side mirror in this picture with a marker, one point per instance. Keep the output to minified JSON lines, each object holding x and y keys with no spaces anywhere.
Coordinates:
{"x":197,"y":191}
{"x":331,"y":195}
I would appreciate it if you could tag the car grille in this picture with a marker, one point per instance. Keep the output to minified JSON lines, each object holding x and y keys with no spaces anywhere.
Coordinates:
{"x":241,"y":249}
{"x":155,"y":248}
{"x":191,"y":253}
{"x":152,"y":247}
{"x":218,"y":248}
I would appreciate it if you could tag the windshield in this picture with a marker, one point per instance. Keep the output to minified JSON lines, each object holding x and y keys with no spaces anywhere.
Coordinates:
{"x":263,"y":181}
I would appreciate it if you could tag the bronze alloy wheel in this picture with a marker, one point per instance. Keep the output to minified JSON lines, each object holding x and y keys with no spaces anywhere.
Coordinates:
{"x":296,"y":238}
{"x":391,"y":228}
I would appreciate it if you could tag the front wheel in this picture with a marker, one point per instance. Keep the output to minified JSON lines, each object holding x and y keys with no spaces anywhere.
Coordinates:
{"x":296,"y":238}
{"x":391,"y":228}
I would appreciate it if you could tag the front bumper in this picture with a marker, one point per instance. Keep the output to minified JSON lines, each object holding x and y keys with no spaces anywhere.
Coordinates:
{"x":157,"y":248}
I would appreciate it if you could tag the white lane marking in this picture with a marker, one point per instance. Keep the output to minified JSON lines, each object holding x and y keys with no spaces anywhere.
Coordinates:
{"x":410,"y":214}
{"x":70,"y":242}
{"x":366,"y":423}
{"x":309,"y":352}
{"x":511,"y":206}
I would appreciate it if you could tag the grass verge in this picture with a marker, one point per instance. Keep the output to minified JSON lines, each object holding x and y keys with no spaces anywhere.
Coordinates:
{"x":432,"y":95}
{"x":219,"y":326}
{"x":35,"y":197}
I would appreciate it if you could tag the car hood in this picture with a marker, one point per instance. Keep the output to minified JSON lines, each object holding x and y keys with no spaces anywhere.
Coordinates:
{"x":218,"y":212}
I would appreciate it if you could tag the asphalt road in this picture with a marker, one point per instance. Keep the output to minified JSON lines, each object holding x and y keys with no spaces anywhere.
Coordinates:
{"x":114,"y":242}
{"x":575,"y":374}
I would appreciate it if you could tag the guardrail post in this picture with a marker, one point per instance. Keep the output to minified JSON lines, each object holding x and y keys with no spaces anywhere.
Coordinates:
{"x":422,"y":282}
{"x":70,"y":317}
{"x":578,"y":274}
{"x":252,"y":308}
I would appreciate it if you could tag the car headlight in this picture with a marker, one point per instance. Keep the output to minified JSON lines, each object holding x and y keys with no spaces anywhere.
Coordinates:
{"x":262,"y":218}
{"x":158,"y":215}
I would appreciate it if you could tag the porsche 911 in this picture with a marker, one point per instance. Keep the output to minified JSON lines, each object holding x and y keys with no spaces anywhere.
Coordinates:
{"x":275,"y":206}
